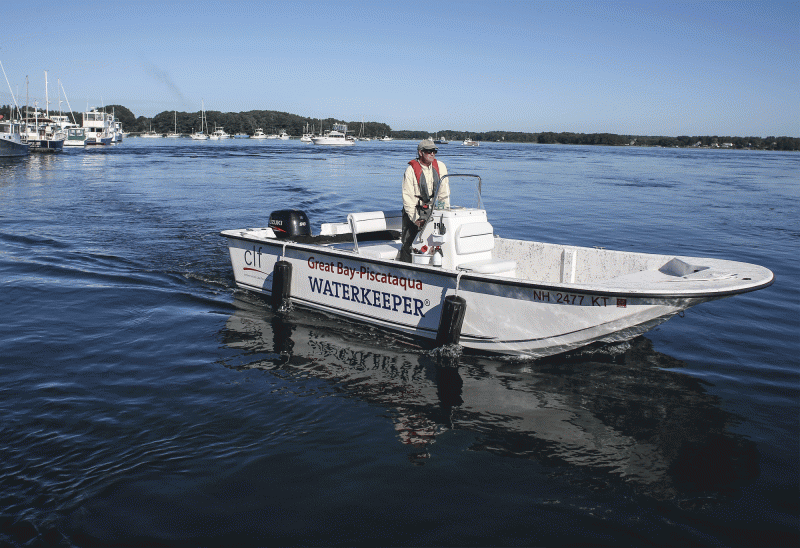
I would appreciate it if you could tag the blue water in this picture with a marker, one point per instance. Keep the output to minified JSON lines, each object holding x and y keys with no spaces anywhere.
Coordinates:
{"x":146,"y":401}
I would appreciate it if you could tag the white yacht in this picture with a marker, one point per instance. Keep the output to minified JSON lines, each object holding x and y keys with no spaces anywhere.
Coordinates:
{"x":259,"y":134}
{"x":99,"y":128}
{"x":219,"y":133}
{"x":334,"y":138}
{"x":118,"y":133}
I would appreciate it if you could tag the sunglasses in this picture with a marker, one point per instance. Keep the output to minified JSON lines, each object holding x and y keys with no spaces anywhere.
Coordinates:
{"x":430,"y":150}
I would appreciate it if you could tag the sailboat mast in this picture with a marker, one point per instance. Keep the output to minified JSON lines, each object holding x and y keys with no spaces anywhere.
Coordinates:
{"x":46,"y":98}
{"x":68,"y":105}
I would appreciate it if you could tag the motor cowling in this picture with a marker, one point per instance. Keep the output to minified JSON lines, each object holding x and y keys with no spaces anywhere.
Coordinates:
{"x":289,"y":223}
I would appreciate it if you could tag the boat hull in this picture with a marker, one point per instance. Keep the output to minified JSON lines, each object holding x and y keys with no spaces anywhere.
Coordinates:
{"x":332,"y":142}
{"x":46,"y":145}
{"x":99,"y":141}
{"x":503,"y":315}
{"x":10,"y":148}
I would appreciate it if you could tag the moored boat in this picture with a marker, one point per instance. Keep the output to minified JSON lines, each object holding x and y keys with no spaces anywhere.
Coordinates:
{"x":515,"y":297}
{"x":43,"y":135}
{"x":470,"y":143}
{"x":150,"y":134}
{"x":117,"y":130}
{"x":201,"y":134}
{"x":11,"y":143}
{"x":336,"y":137}
{"x":307,"y":135}
{"x":219,"y":134}
{"x":259,"y":134}
{"x":174,"y":133}
{"x":99,"y":127}
{"x":76,"y":137}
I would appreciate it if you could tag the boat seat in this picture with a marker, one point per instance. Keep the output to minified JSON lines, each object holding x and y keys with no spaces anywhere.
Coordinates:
{"x":374,"y":221}
{"x":475,"y":241}
{"x":498,"y":267}
{"x":380,"y":251}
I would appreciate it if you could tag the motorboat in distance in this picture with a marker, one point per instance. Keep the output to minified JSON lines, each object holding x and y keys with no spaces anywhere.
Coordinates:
{"x":334,"y":138}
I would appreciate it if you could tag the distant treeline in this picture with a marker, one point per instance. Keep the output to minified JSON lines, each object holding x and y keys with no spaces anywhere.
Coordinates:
{"x":611,"y":139}
{"x":274,"y":122}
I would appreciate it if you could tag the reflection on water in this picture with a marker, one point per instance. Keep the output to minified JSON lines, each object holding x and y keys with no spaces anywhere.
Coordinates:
{"x":616,"y":416}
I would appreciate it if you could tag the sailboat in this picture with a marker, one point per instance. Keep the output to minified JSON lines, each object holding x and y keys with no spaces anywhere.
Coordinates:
{"x":306,"y":138}
{"x":149,"y":134}
{"x":201,"y":135}
{"x":361,"y":136}
{"x":175,"y":133}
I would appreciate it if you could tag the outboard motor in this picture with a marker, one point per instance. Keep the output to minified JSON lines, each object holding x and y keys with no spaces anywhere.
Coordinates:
{"x":289,"y":223}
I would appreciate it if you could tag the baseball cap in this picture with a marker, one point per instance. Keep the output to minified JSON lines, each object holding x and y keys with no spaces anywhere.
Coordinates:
{"x":426,"y":144}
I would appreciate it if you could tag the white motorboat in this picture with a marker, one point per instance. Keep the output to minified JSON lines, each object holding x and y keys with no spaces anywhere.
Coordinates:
{"x":259,"y":134}
{"x":470,"y":143}
{"x":335,"y":137}
{"x":514,"y":297}
{"x":283,"y":136}
{"x":11,"y":143}
{"x":386,"y":138}
{"x":219,"y":134}
{"x":117,"y":129}
{"x":99,"y":128}
{"x":76,"y":137}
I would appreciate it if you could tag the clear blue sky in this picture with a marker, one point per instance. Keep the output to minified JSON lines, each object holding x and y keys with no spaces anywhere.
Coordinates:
{"x":643,"y":68}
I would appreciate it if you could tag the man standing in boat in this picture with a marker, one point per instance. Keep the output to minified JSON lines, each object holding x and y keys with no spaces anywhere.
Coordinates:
{"x":420,"y":180}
